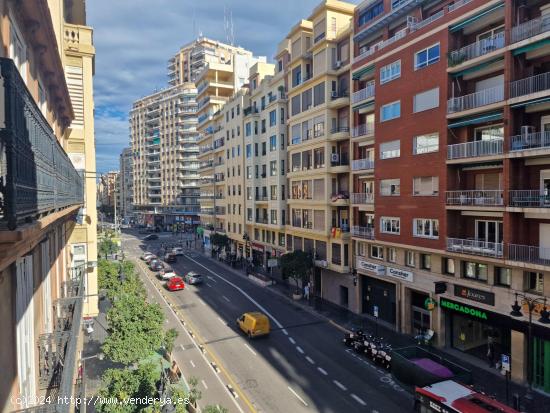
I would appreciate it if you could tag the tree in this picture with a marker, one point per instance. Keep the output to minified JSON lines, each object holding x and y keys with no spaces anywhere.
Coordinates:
{"x":214,"y":409}
{"x":219,"y":240}
{"x":298,"y":266}
{"x":169,"y":340}
{"x":194,"y":393}
{"x":119,"y":278}
{"x":106,"y":246}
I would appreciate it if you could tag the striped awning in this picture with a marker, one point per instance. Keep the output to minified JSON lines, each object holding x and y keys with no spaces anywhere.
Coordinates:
{"x":476,"y":120}
{"x":532,"y":46}
{"x":473,"y":19}
{"x":531,"y":102}
{"x":477,"y":67}
{"x":362,"y":72}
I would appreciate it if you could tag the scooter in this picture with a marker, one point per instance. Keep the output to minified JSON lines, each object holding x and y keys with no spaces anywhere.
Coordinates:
{"x":383,"y":356}
{"x":350,"y":338}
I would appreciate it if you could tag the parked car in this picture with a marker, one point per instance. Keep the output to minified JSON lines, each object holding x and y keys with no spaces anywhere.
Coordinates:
{"x":193,"y":278}
{"x":170,"y":257}
{"x":254,"y":324}
{"x":175,"y":284}
{"x":166,"y":273}
{"x":177,"y":251}
{"x":151,"y":237}
{"x":145,"y":255}
{"x":156,"y":265}
{"x":151,"y":257}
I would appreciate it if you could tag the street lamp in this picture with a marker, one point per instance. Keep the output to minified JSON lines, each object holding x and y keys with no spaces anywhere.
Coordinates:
{"x":246,"y":239}
{"x":544,"y":319}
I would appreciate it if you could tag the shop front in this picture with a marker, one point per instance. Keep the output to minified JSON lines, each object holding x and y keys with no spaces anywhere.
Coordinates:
{"x":257,"y":254}
{"x":420,"y":312}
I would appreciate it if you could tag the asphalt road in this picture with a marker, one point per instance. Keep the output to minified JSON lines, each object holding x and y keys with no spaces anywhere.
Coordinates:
{"x":301,"y":367}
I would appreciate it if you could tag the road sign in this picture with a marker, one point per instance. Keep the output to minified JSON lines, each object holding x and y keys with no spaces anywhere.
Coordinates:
{"x":375,"y":311}
{"x":272,"y":262}
{"x":505,"y":362}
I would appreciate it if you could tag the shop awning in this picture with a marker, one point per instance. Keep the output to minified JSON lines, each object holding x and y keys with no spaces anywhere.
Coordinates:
{"x":531,"y":102}
{"x":364,"y":108}
{"x":470,"y":20}
{"x":475,"y":120}
{"x":532,"y":46}
{"x":362,"y":72}
{"x":477,"y":67}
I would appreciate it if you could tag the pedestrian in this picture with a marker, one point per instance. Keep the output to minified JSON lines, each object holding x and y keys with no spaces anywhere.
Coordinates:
{"x":306,"y":292}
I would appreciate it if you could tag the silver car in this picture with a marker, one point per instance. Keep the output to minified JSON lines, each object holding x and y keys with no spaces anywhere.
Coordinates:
{"x":193,"y":278}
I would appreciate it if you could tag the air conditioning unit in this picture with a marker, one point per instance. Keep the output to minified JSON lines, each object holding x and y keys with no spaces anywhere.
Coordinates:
{"x":334,"y":94}
{"x":338,"y":64}
{"x":334,"y":157}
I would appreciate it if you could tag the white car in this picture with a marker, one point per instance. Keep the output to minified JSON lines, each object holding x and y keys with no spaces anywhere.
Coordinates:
{"x":193,"y":278}
{"x":177,"y":251}
{"x":166,"y":274}
{"x":146,"y":255}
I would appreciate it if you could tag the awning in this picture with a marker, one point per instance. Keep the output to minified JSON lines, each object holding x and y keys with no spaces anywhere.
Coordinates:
{"x":477,"y":67}
{"x":531,"y":102}
{"x":476,"y":120}
{"x":532,"y":46}
{"x":364,"y":108}
{"x":362,"y":72}
{"x":470,"y":20}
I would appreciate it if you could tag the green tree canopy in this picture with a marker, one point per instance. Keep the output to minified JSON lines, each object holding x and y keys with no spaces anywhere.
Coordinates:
{"x":297,"y":265}
{"x":219,"y":240}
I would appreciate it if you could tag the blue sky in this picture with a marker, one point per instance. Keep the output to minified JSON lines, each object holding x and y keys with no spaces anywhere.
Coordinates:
{"x":135,"y":38}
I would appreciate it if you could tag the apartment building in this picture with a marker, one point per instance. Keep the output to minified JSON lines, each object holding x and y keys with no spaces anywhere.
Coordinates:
{"x":107,"y":189}
{"x":450,"y":166}
{"x":319,"y":147}
{"x":265,"y":139}
{"x":163,"y":135}
{"x":126,"y":184}
{"x":44,"y":199}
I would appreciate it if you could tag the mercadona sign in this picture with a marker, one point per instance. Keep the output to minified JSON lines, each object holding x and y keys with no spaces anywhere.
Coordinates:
{"x":464,"y":309}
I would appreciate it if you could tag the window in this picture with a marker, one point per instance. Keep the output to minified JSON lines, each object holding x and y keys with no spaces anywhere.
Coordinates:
{"x":248,"y":129}
{"x":425,"y":185}
{"x":448,"y":266}
{"x":371,"y":13}
{"x":426,"y":143}
{"x":18,"y":50}
{"x":273,"y":168}
{"x":426,"y":228}
{"x":377,"y":252}
{"x":273,"y":143}
{"x":392,"y":255}
{"x":390,"y":187}
{"x":273,"y":190}
{"x":273,"y":216}
{"x":426,"y":100}
{"x":273,"y":118}
{"x":534,"y":282}
{"x":503,"y":276}
{"x":264,"y":148}
{"x":474,"y":271}
{"x":390,"y":111}
{"x":409,"y":258}
{"x":249,"y":172}
{"x":390,"y":72}
{"x":306,"y":99}
{"x":390,"y":225}
{"x":296,"y":105}
{"x":426,"y":57}
{"x":390,"y":149}
{"x":425,"y":262}
{"x":319,"y":94}
{"x":318,"y":126}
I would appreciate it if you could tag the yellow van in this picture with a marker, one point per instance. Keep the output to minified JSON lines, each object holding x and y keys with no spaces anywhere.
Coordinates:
{"x":254,"y":324}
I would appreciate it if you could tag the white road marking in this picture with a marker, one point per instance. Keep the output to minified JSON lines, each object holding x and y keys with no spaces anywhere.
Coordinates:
{"x":323,"y":371}
{"x":296,"y":394}
{"x":202,"y":302}
{"x":340,"y":385}
{"x":204,"y":384}
{"x":358,"y":399}
{"x":208,"y":285}
{"x":310,"y":360}
{"x":250,"y":348}
{"x":183,"y":348}
{"x":300,"y":349}
{"x":192,"y":364}
{"x":226,"y":299}
{"x":221,"y":321}
{"x":292,"y":340}
{"x":212,"y":279}
{"x":284,"y":331}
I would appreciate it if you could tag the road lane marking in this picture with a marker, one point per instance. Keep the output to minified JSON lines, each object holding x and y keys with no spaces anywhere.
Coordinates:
{"x":202,"y":302}
{"x":250,"y":348}
{"x":310,"y":360}
{"x":297,"y":396}
{"x":212,"y":279}
{"x":300,"y":349}
{"x":284,"y":331}
{"x":323,"y":371}
{"x":358,"y":399}
{"x":292,"y":340}
{"x":226,"y":299}
{"x":204,"y":384}
{"x":339,"y":385}
{"x":221,"y":321}
{"x":192,"y":364}
{"x":183,"y":348}
{"x":208,"y":285}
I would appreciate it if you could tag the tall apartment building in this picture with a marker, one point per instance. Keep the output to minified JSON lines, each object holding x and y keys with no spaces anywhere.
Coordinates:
{"x":163,"y":135}
{"x":319,"y":147}
{"x":106,"y":194}
{"x":264,"y":151}
{"x":451,"y":173}
{"x":126,"y":183}
{"x":46,"y":129}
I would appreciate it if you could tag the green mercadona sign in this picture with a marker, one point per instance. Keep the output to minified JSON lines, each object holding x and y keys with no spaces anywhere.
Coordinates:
{"x":464,"y":309}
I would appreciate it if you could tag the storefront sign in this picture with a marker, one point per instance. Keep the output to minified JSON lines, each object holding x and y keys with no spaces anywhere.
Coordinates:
{"x":400,"y":274}
{"x":463,"y":308}
{"x":365,"y":265}
{"x":429,"y":304}
{"x":505,"y":362}
{"x":474,"y":294}
{"x":257,"y":247}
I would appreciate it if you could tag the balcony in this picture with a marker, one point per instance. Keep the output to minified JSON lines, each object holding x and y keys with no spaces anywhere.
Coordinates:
{"x":339,"y":132}
{"x":477,"y":198}
{"x":475,"y":100}
{"x":529,"y":254}
{"x":362,"y":232}
{"x":528,"y":141}
{"x":529,"y":198}
{"x":475,"y":247}
{"x":261,"y":198}
{"x":530,"y":29}
{"x":476,"y":149}
{"x":363,"y":130}
{"x":475,"y":50}
{"x":363,"y":94}
{"x":530,"y":85}
{"x":362,"y":164}
{"x":362,"y":198}
{"x":340,"y":198}
{"x":38,"y":176}
{"x":339,"y":99}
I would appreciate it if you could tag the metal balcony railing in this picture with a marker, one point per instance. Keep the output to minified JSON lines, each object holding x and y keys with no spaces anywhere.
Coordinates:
{"x":530,"y":85}
{"x":360,"y":164}
{"x":530,"y":254}
{"x":363,"y":94}
{"x":457,"y":4}
{"x":475,"y":198}
{"x":36,"y":175}
{"x":339,"y":129}
{"x":476,"y":49}
{"x":362,"y":130}
{"x":536,"y":140}
{"x":362,"y":232}
{"x":475,"y":100}
{"x":476,"y":149}
{"x":362,"y":198}
{"x":531,"y":28}
{"x":475,"y":247}
{"x":529,"y":198}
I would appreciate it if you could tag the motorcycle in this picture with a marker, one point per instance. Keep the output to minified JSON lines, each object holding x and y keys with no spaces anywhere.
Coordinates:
{"x":350,"y":338}
{"x":383,"y":356}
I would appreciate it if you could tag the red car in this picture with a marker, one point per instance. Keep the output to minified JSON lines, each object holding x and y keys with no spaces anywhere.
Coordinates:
{"x":175,"y":284}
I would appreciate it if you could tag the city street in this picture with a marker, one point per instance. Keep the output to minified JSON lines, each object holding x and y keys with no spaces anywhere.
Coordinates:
{"x":302,"y":366}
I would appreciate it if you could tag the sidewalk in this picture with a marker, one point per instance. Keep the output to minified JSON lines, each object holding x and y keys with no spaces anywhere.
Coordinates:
{"x":487,"y":380}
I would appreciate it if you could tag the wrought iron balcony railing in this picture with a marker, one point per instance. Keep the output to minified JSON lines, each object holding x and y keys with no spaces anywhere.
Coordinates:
{"x":36,"y":175}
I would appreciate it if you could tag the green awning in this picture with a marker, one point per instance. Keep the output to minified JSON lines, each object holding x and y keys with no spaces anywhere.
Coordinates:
{"x":477,"y":67}
{"x":475,"y":120}
{"x":364,"y":106}
{"x":532,"y":46}
{"x":470,"y":20}
{"x":531,"y":102}
{"x":362,"y":72}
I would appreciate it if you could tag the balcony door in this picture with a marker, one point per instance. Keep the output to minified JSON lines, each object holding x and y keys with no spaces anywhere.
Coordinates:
{"x":367,"y":187}
{"x":544,"y":241}
{"x":545,"y":129}
{"x":489,"y":232}
{"x":545,"y":186}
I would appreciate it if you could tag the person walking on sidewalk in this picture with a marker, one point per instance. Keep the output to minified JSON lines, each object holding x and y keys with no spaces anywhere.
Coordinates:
{"x":306,"y":292}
